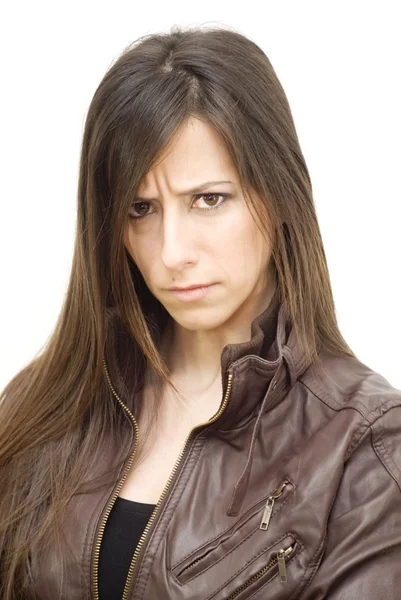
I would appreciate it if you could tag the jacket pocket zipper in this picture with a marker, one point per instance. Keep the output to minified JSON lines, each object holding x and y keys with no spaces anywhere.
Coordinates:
{"x":267,"y":513}
{"x":206,"y":555}
{"x":279,"y":559}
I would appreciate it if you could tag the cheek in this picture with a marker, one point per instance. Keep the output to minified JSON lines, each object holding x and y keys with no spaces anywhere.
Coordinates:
{"x":128,"y":241}
{"x":140,"y":253}
{"x":241,"y":247}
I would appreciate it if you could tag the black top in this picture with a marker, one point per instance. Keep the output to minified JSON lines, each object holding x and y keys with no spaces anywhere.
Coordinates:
{"x":124,"y":527}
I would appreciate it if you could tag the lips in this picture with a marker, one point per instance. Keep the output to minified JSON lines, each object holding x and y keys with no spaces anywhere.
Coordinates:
{"x":191,"y":287}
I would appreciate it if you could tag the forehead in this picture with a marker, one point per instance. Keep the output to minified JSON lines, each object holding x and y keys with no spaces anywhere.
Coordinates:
{"x":195,"y":155}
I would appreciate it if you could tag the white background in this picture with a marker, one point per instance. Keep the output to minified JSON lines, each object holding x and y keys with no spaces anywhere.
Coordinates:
{"x":339,"y":63}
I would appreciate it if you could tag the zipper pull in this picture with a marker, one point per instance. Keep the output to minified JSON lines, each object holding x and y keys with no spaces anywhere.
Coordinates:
{"x":281,"y":565}
{"x":267,"y":513}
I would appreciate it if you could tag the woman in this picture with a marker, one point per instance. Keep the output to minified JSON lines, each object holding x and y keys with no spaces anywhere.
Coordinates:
{"x":215,"y":443}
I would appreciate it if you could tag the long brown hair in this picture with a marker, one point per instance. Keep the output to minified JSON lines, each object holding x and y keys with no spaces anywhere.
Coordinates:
{"x":155,"y":85}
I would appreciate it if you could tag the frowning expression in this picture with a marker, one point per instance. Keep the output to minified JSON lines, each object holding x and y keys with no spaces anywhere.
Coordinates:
{"x":190,"y":225}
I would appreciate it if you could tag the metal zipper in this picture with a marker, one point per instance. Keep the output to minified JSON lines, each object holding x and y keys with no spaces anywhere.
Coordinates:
{"x":265,"y":518}
{"x":163,"y":494}
{"x":280,"y":557}
{"x":98,"y":541}
{"x":267,"y":513}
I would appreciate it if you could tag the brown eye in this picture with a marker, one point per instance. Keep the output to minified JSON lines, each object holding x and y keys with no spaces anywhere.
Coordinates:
{"x":141,"y":208}
{"x":211,"y":197}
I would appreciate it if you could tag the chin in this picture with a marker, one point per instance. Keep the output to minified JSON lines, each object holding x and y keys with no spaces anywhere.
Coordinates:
{"x":200,"y":318}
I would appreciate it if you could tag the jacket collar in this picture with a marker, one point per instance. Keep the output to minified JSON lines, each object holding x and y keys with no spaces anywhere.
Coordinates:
{"x":263,"y":370}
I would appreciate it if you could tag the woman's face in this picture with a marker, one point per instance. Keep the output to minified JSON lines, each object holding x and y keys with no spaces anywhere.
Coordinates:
{"x":181,"y":239}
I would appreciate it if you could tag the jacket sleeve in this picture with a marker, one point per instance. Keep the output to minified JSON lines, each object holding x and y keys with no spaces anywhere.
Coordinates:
{"x":362,"y":559}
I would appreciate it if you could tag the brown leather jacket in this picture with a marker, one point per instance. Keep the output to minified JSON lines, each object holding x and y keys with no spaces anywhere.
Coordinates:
{"x":292,"y":490}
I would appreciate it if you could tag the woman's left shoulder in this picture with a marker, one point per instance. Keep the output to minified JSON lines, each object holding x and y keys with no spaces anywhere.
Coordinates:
{"x":362,"y":558}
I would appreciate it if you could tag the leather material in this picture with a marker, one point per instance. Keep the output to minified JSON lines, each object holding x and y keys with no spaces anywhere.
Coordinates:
{"x":330,"y":432}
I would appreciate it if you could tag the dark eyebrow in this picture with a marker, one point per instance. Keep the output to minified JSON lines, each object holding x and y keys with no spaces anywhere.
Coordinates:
{"x":195,"y":190}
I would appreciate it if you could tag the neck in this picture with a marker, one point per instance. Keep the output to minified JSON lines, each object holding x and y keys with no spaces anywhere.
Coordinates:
{"x":193,"y":356}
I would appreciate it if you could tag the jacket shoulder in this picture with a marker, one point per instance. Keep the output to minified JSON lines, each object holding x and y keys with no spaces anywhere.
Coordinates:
{"x":344,"y":382}
{"x":362,"y":558}
{"x":386,"y":439}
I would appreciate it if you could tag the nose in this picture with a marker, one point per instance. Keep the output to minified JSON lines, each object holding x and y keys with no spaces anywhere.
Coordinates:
{"x":178,"y":240}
